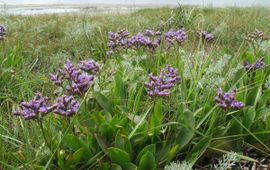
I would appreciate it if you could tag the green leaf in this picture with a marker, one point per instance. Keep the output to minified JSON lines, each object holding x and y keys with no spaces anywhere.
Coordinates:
{"x":90,"y":142}
{"x":147,"y":162}
{"x":81,"y":154}
{"x":234,"y":128}
{"x":72,"y":142}
{"x":104,"y":102}
{"x":106,"y":130}
{"x":118,"y":156}
{"x":254,"y":96}
{"x":123,"y":143}
{"x":142,"y":120}
{"x":186,"y":132}
{"x":267,"y":123}
{"x":199,"y":149}
{"x":264,"y":99}
{"x":119,"y":90}
{"x":249,"y":117}
{"x":150,"y":148}
{"x":116,"y":167}
{"x":173,"y":151}
{"x":101,"y":142}
{"x":129,"y":166}
{"x":157,"y":117}
{"x":137,"y":101}
{"x":104,"y":166}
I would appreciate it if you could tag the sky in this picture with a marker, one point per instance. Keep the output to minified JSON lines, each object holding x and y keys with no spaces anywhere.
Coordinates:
{"x":201,"y":2}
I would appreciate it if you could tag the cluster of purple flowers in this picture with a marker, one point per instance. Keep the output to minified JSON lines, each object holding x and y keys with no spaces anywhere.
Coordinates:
{"x":79,"y":80}
{"x":3,"y":32}
{"x":150,"y":39}
{"x":152,"y":33}
{"x":90,"y":66}
{"x":253,"y":67}
{"x":159,"y":86}
{"x":257,"y":35}
{"x":206,"y":36}
{"x":34,"y":108}
{"x":122,"y":40}
{"x":178,"y":36}
{"x":64,"y":106}
{"x":118,"y":40}
{"x":227,"y":100}
{"x":141,"y":40}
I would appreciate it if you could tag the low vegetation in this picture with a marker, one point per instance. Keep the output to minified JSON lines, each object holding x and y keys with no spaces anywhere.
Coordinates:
{"x":152,"y":89}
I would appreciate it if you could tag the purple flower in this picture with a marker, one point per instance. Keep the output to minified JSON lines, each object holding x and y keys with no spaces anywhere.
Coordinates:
{"x":159,"y":86}
{"x":34,"y":108}
{"x":79,"y":81}
{"x":59,"y":77}
{"x":90,"y":66}
{"x":123,"y":33}
{"x":149,"y":32}
{"x":80,"y":84}
{"x":66,"y":106}
{"x":140,"y":40}
{"x":3,"y":31}
{"x":205,"y":36}
{"x":253,"y":67}
{"x":172,"y":75}
{"x":175,"y":36}
{"x":152,"y":33}
{"x":109,"y":53}
{"x":117,"y":40}
{"x":257,"y":35}
{"x":227,"y":100}
{"x":259,"y":64}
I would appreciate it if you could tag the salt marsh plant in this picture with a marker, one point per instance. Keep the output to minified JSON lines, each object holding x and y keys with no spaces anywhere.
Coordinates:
{"x":146,"y":91}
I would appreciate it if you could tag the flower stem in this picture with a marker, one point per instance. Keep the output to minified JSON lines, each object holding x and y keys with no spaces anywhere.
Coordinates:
{"x":40,"y":123}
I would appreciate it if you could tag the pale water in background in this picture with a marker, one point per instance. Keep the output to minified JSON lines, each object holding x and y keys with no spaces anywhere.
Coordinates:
{"x":50,"y":10}
{"x":193,"y":2}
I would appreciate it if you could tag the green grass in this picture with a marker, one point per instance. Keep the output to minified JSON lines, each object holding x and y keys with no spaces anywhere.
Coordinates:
{"x":117,"y":108}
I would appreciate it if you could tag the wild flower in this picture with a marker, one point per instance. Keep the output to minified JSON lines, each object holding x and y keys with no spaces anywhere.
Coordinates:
{"x":59,"y":77}
{"x":173,"y":37}
{"x":257,"y":35}
{"x":34,"y":108}
{"x":151,"y":33}
{"x":3,"y":31}
{"x":159,"y":86}
{"x":172,"y":75}
{"x":227,"y":100}
{"x":79,"y":80}
{"x":140,"y":40}
{"x":90,"y":66}
{"x":206,"y":36}
{"x":80,"y":84}
{"x":253,"y":67}
{"x":150,"y":39}
{"x":109,"y":53}
{"x":118,"y":40}
{"x":66,"y":106}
